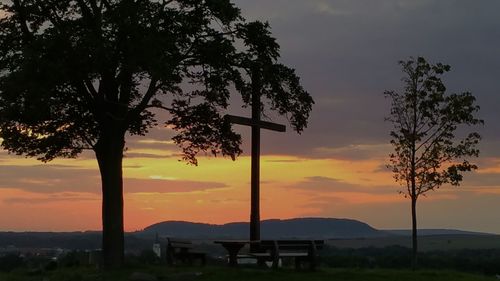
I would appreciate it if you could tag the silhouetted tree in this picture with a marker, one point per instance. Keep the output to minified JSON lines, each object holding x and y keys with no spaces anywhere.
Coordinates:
{"x":82,"y":74}
{"x":428,"y":153}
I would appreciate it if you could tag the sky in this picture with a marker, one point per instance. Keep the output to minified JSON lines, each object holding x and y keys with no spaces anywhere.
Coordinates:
{"x":346,"y":53}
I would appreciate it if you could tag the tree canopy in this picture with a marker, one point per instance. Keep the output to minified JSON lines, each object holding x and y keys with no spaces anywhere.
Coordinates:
{"x":426,"y":121}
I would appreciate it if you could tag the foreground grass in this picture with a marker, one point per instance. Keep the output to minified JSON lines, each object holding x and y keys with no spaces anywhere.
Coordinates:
{"x":244,"y":274}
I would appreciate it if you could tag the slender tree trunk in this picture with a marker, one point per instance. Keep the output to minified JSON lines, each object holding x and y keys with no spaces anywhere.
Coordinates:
{"x":413,"y":174}
{"x":414,"y":261}
{"x":413,"y":198}
{"x":109,"y":154}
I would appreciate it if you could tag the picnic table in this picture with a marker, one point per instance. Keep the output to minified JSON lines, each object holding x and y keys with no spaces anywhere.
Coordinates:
{"x":273,"y":250}
{"x":233,"y":247}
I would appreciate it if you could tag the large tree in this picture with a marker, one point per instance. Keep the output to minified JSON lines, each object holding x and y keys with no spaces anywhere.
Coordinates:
{"x":84,"y":74}
{"x":430,"y":138}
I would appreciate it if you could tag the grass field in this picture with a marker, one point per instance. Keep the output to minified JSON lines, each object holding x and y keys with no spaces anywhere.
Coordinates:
{"x":246,"y":274}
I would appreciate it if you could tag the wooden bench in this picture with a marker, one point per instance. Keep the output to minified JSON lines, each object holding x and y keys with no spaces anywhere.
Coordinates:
{"x":182,"y":250}
{"x":300,"y":250}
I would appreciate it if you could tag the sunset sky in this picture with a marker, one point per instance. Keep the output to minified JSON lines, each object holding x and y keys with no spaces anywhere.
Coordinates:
{"x":346,"y":53}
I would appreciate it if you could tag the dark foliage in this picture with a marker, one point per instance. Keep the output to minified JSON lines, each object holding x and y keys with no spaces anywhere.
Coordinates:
{"x":428,"y":149}
{"x":10,"y":262}
{"x":478,"y":261}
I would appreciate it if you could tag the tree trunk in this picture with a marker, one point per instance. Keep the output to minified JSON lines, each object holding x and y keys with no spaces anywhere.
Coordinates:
{"x":109,"y":154}
{"x":414,"y":233}
{"x":413,"y":174}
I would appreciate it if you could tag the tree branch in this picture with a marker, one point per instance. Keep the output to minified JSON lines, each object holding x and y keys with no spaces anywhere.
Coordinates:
{"x":165,"y":3}
{"x":168,"y":109}
{"x":152,"y":88}
{"x":91,"y":90}
{"x":23,"y":21}
{"x":106,"y":4}
{"x":54,"y":18}
{"x":89,"y":142}
{"x":432,"y":137}
{"x":94,"y":7}
{"x":86,"y":11}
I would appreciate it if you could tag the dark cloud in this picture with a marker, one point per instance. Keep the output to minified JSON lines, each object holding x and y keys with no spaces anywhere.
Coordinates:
{"x":148,"y":155}
{"x":475,"y":180}
{"x":283,"y":160}
{"x":229,"y":200}
{"x":488,"y":147}
{"x":49,"y":199}
{"x":326,"y":185}
{"x":353,"y":152}
{"x":158,"y":138}
{"x":321,"y":179}
{"x":132,"y":166}
{"x":132,"y":185}
{"x":382,"y":168}
{"x":50,"y":179}
{"x":346,"y":53}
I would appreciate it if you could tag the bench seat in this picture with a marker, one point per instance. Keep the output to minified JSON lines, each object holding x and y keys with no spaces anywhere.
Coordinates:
{"x":274,"y":250}
{"x":182,"y":251}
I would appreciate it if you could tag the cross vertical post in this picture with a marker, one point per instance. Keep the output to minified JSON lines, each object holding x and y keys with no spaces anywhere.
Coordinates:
{"x":255,"y":170}
{"x":257,"y":124}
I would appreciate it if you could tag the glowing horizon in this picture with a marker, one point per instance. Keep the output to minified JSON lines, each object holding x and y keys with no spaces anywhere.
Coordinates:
{"x":48,"y":197}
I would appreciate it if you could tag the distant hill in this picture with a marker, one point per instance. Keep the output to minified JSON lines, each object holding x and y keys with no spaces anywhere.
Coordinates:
{"x":318,"y":228}
{"x":431,"y":232}
{"x":321,"y":228}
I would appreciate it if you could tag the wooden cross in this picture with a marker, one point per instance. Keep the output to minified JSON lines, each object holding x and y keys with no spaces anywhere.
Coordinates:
{"x":256,"y":125}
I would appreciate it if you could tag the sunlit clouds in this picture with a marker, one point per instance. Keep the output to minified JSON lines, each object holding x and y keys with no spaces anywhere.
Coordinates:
{"x":47,"y":196}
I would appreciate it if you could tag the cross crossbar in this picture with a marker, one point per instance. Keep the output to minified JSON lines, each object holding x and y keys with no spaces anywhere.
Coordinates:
{"x":252,"y":122}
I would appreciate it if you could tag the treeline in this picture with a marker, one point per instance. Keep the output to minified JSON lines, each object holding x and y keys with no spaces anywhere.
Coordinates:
{"x":66,"y":240}
{"x":484,"y":261}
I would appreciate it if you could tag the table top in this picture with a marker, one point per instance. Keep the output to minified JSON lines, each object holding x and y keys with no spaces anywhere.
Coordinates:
{"x":236,"y":241}
{"x":269,"y":240}
{"x":291,"y":241}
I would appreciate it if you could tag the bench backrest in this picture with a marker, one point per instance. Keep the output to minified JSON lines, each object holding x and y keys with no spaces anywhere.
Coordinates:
{"x":291,"y":245}
{"x":181,"y":244}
